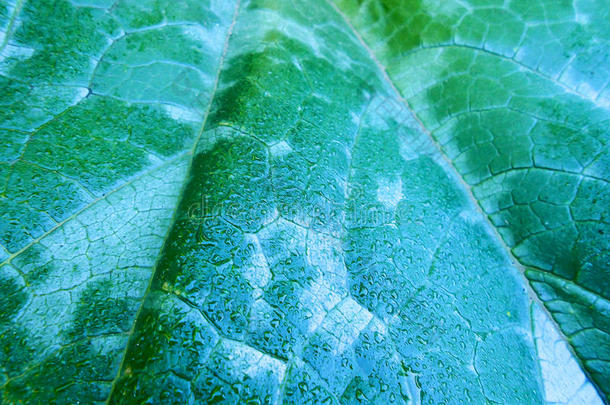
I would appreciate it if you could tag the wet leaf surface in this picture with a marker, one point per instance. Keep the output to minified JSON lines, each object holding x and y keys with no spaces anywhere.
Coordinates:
{"x":304,"y":202}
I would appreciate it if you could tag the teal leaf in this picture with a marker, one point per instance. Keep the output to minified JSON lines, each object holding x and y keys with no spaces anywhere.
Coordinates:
{"x":516,"y":97}
{"x":264,"y":201}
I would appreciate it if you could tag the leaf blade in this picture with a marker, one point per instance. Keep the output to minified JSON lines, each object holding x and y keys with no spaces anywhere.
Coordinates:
{"x":511,"y":129}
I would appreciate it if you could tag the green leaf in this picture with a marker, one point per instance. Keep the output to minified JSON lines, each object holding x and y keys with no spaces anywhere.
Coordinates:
{"x":302,"y":201}
{"x":517,"y":97}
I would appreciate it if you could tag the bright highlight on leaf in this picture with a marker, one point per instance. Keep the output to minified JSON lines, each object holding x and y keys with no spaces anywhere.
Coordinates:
{"x":290,"y":201}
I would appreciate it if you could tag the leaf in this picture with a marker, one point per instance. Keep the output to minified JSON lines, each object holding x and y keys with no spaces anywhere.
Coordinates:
{"x":234,"y":202}
{"x":516,"y":96}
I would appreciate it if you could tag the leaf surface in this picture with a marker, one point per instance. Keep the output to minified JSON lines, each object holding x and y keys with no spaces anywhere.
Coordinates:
{"x":516,"y":96}
{"x":228,"y":201}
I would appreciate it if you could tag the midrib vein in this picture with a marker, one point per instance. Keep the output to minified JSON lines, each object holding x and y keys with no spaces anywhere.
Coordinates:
{"x":466,"y":187}
{"x":11,"y":23}
{"x":184,"y":185}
